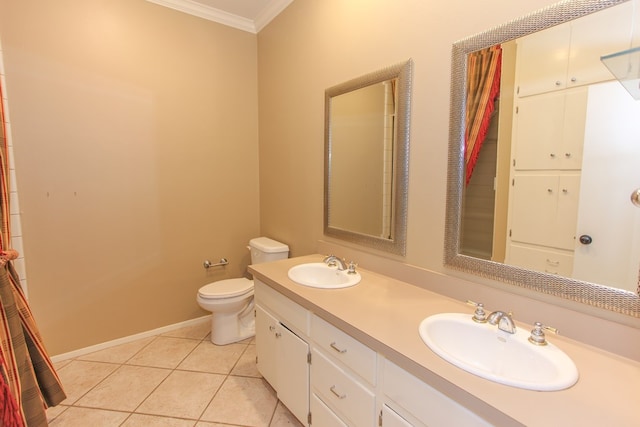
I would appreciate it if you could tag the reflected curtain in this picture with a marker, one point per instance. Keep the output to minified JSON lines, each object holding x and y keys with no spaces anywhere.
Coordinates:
{"x":483,"y":87}
{"x":28,"y":381}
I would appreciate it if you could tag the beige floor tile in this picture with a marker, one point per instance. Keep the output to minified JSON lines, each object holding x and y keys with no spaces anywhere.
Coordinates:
{"x":216,"y":359}
{"x":55,"y":412}
{"x":207,"y":424}
{"x":119,"y":353}
{"x":244,"y":401}
{"x":140,"y":420}
{"x":125,"y":389}
{"x":78,"y":377}
{"x":164,"y":352}
{"x":246,"y":365}
{"x":183,"y":394}
{"x":283,"y":418}
{"x":197,"y":332}
{"x":83,"y":417}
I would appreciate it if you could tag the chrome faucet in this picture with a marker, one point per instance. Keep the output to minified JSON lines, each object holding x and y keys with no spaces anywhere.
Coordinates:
{"x":503,"y":320}
{"x":332,"y":260}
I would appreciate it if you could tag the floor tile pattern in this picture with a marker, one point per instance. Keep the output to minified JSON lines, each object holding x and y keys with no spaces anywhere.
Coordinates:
{"x":176,"y":379}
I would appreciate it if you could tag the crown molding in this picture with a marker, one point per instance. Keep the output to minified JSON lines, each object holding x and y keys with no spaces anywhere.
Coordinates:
{"x":273,"y":8}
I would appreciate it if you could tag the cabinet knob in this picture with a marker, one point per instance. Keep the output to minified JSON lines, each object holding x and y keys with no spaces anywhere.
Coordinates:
{"x":558,"y":82}
{"x":573,"y":79}
{"x":585,"y":239}
{"x":552,"y":155}
{"x":567,"y":155}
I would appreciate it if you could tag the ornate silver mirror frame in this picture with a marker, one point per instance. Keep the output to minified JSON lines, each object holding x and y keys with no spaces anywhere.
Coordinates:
{"x":397,"y":243}
{"x":584,"y":292}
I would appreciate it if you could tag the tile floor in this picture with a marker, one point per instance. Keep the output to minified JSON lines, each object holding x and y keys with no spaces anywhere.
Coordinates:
{"x":177,"y":379}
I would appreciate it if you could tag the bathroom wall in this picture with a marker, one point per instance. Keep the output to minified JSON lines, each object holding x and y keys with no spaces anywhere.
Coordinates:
{"x":136,"y":147}
{"x":314,"y":45}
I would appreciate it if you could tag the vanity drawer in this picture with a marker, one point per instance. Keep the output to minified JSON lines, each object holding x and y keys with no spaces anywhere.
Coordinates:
{"x":291,"y":313}
{"x":355,"y":355}
{"x":423,"y":401}
{"x":322,"y":416}
{"x":342,"y":392}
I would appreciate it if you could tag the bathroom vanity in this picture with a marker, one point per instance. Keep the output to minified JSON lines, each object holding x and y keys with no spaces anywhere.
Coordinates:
{"x":354,"y":357}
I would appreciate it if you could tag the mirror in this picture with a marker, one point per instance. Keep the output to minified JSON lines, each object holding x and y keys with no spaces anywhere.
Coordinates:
{"x":507,"y":236}
{"x":367,"y":159}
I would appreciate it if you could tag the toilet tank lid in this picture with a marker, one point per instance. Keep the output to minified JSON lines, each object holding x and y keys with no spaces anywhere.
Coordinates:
{"x":268,"y":245}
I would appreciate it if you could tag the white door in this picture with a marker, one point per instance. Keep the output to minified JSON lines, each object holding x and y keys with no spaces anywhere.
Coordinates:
{"x":610,"y":173}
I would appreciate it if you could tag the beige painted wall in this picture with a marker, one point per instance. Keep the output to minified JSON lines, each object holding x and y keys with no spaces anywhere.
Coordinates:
{"x":135,"y":130}
{"x":313,"y":45}
{"x":136,"y":149}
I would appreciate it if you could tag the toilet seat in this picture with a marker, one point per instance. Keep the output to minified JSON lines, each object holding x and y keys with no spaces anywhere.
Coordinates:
{"x":227,"y":288}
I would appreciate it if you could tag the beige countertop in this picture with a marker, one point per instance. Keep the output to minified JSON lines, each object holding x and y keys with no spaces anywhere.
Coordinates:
{"x":384,"y":314}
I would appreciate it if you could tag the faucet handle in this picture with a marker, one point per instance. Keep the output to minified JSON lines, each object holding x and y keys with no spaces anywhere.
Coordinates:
{"x":479,"y":316}
{"x":537,"y":336}
{"x":352,"y":268}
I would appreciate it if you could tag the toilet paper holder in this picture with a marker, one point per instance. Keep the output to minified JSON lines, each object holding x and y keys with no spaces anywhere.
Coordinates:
{"x":209,"y":264}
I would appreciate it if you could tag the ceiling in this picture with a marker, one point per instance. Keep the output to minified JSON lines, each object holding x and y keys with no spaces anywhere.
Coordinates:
{"x":246,"y":15}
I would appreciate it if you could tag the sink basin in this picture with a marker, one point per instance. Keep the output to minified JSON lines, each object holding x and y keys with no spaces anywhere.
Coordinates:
{"x":320,"y":275}
{"x":484,"y":350}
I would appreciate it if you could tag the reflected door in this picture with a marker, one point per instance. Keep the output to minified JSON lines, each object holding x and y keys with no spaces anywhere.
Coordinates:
{"x":610,"y":174}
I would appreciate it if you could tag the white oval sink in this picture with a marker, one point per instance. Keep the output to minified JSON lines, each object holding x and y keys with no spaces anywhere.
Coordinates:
{"x":320,"y":275}
{"x":484,"y":350}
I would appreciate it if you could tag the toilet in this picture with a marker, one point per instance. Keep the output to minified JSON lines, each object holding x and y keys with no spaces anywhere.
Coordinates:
{"x":231,"y":301}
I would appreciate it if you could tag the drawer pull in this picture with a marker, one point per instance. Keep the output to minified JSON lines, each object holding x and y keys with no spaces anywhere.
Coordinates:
{"x":338,"y":349}
{"x":272,"y":328}
{"x":338,"y":395}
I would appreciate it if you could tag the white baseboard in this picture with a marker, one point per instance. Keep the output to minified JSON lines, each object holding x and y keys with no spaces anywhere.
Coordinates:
{"x":130,"y":338}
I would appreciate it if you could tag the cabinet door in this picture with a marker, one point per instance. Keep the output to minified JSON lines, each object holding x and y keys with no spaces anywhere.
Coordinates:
{"x":533,"y":209}
{"x":549,"y":130}
{"x":322,"y":416}
{"x":589,"y":41}
{"x":542,"y":60}
{"x":545,"y":210}
{"x":390,"y":418}
{"x":539,"y":131}
{"x":293,"y":372}
{"x":266,"y":345}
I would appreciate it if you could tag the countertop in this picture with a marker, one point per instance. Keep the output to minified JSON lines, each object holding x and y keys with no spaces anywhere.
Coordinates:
{"x":384,"y":314}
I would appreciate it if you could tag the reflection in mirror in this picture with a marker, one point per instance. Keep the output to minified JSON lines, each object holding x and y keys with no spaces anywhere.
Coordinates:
{"x":547,"y":203}
{"x":366,"y":159}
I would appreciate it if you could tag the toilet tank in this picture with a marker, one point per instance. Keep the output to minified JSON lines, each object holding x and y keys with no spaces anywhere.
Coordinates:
{"x":264,"y":249}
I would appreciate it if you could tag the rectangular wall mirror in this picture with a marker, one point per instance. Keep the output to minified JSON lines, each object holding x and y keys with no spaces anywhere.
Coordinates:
{"x":547,"y":206}
{"x":366,"y":159}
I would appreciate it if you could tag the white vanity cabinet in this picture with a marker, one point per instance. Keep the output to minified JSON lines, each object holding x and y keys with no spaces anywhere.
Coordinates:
{"x":282,"y":349}
{"x":328,"y":378}
{"x":343,"y":375}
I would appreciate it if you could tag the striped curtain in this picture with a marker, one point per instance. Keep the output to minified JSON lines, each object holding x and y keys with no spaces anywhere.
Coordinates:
{"x":483,"y":87}
{"x":28,"y":381}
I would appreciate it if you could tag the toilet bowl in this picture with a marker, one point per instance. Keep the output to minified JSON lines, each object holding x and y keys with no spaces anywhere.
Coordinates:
{"x":230,"y":301}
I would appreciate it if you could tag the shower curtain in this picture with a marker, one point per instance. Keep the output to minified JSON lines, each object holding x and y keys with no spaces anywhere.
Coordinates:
{"x":28,"y":381}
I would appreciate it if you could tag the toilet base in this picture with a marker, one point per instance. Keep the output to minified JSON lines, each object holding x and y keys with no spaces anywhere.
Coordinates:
{"x":228,"y":328}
